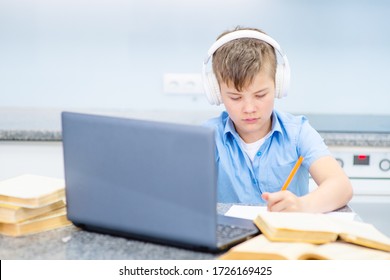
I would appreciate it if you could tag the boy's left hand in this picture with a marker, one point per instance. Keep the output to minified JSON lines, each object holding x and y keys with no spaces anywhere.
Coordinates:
{"x":282,"y":201}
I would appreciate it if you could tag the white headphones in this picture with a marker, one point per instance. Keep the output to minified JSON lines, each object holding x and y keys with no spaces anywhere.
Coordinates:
{"x":210,"y":83}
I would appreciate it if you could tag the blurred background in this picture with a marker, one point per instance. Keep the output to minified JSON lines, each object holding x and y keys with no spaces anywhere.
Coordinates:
{"x":113,"y":54}
{"x":144,"y":59}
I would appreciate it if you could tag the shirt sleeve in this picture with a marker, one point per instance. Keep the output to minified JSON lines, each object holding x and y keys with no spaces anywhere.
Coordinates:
{"x":310,"y":144}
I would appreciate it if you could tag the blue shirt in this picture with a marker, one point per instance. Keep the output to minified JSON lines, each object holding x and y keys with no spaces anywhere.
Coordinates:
{"x":243,"y":181}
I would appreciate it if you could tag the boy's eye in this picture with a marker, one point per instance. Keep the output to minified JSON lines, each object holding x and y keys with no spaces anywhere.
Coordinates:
{"x":261,"y":95}
{"x":235,"y":98}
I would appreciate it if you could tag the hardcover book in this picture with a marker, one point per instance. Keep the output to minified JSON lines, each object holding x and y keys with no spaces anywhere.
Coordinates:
{"x":14,"y":214}
{"x":261,"y":248}
{"x":51,"y":220}
{"x":319,"y":229}
{"x":31,"y":191}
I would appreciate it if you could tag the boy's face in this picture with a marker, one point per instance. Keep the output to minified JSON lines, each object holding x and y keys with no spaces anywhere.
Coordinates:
{"x":251,"y":108}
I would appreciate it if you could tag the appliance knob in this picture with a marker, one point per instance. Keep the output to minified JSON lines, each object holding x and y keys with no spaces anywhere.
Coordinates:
{"x":340,"y":161}
{"x":384,"y":165}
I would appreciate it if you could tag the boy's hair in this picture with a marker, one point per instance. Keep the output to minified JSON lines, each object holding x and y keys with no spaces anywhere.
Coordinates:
{"x":239,"y":61}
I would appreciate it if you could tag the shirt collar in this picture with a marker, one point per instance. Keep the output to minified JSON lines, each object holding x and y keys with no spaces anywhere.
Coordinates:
{"x":231,"y":130}
{"x":276,"y":126}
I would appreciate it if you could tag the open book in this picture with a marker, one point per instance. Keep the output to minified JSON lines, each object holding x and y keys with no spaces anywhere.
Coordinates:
{"x":319,"y":229}
{"x":31,"y":191}
{"x":260,"y":248}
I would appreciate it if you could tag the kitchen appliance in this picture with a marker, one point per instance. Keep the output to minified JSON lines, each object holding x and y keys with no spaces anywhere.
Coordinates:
{"x":361,"y":144}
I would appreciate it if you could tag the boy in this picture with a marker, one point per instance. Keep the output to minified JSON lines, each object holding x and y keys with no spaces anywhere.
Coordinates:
{"x":257,"y":146}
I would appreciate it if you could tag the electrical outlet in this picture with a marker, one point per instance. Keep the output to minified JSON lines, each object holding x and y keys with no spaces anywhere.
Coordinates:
{"x":182,"y":83}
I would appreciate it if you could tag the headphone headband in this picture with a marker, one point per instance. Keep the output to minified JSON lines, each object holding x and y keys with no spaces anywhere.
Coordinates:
{"x":282,"y":78}
{"x":242,"y":34}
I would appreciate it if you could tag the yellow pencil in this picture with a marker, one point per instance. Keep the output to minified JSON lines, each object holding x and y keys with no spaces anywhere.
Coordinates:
{"x":292,"y":173}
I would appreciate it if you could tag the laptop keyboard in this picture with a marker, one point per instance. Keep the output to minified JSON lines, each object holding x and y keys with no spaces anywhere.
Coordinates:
{"x":226,"y":233}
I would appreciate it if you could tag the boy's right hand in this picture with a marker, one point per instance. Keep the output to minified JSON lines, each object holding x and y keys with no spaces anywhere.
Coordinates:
{"x":283,"y":201}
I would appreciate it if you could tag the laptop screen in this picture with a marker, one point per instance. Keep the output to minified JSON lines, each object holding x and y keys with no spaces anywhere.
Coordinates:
{"x":141,"y":178}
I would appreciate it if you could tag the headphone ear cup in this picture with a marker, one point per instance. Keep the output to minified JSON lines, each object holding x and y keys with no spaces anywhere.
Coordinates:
{"x":280,"y":82}
{"x":211,"y":86}
{"x":286,"y":80}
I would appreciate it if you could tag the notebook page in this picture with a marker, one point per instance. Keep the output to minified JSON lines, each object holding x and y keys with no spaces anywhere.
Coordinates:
{"x":250,"y":212}
{"x":245,"y":212}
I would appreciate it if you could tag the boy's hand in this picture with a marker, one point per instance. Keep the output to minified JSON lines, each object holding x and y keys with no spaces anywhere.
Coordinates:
{"x":282,"y":201}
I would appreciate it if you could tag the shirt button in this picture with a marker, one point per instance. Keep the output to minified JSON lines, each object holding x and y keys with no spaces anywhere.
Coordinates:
{"x":258,"y":154}
{"x":254,"y":181}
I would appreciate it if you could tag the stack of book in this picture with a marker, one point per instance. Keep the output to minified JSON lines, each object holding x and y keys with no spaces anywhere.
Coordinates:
{"x":31,"y":204}
{"x":311,"y":236}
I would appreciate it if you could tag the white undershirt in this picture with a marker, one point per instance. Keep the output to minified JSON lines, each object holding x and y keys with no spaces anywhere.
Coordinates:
{"x":251,"y":149}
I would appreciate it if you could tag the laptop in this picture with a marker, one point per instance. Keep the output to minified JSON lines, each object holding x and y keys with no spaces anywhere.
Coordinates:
{"x":146,"y":180}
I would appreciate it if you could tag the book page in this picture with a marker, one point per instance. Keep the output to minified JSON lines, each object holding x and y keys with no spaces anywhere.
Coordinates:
{"x":298,"y":221}
{"x":345,"y":251}
{"x":347,"y":216}
{"x":363,"y":234}
{"x":30,"y":186}
{"x":316,"y":228}
{"x":259,"y":247}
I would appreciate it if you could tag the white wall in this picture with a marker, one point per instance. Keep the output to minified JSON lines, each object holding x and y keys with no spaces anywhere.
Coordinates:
{"x":113,"y":53}
{"x":40,"y":158}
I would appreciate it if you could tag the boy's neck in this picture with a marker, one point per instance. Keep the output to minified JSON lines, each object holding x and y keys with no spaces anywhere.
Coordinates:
{"x":251,"y":138}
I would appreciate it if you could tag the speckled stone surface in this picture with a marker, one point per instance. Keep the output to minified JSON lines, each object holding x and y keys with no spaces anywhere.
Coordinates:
{"x":72,"y":243}
{"x":44,"y":124}
{"x":30,"y":124}
{"x":35,"y":124}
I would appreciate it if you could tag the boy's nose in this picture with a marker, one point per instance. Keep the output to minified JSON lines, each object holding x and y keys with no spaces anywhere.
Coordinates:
{"x":249,"y":106}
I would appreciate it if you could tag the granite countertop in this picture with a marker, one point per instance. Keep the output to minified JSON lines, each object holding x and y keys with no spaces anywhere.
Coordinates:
{"x":44,"y":124}
{"x":75,"y":244}
{"x":29,"y":124}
